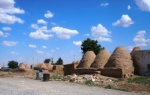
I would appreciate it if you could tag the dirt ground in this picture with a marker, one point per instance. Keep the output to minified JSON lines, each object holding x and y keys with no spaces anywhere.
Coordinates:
{"x":103,"y":81}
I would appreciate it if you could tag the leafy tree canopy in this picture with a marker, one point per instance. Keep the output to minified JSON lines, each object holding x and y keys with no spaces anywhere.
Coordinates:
{"x":12,"y":64}
{"x":47,"y":61}
{"x":91,"y":45}
{"x":59,"y":61}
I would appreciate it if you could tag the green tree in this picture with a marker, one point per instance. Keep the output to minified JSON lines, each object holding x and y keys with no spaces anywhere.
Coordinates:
{"x":13,"y":64}
{"x":91,"y":45}
{"x":59,"y":61}
{"x":47,"y":61}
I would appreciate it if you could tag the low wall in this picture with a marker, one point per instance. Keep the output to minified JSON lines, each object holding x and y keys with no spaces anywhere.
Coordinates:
{"x":85,"y":71}
{"x":69,"y":69}
{"x":112,"y":72}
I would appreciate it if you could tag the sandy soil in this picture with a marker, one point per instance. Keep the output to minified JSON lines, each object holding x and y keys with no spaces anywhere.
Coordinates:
{"x":29,"y":86}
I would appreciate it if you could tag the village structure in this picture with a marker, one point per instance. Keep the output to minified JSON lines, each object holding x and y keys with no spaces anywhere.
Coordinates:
{"x":119,"y":64}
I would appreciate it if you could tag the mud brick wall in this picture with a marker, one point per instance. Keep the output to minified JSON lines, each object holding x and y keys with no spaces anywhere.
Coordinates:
{"x":84,"y":71}
{"x":112,"y":72}
{"x":58,"y":68}
{"x":69,"y":69}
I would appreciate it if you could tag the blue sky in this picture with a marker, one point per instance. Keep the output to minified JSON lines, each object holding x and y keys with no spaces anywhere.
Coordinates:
{"x":33,"y":30}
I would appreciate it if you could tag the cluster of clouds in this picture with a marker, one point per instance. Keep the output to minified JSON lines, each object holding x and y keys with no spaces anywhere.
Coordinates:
{"x":8,"y":12}
{"x":140,"y":40}
{"x":42,"y":32}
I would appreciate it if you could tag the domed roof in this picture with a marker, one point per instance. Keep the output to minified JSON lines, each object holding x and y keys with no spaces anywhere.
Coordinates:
{"x":87,"y":59}
{"x":22,"y":67}
{"x":101,"y":59}
{"x":120,"y":59}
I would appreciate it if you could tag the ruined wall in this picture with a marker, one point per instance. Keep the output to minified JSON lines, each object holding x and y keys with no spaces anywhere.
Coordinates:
{"x":69,"y":69}
{"x":142,"y":60}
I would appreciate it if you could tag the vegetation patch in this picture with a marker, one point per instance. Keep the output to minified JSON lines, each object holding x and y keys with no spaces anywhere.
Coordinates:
{"x":119,"y":80}
{"x":55,"y":77}
{"x":89,"y":82}
{"x":140,"y":80}
{"x":111,"y":87}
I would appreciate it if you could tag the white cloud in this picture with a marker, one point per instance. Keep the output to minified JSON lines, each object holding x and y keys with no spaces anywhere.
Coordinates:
{"x":104,"y":4}
{"x":87,"y":35}
{"x":44,"y":47}
{"x":101,"y":33}
{"x":140,"y":40}
{"x":39,"y":52}
{"x":8,"y":11}
{"x":64,"y":33}
{"x":6,"y":28}
{"x":9,"y":43}
{"x":48,"y":14}
{"x":1,"y":33}
{"x":41,"y":21}
{"x":124,"y":21}
{"x":130,"y":48}
{"x":129,"y":7}
{"x":32,"y":46}
{"x":77,"y":43}
{"x":35,"y":26}
{"x":9,"y":19}
{"x":144,"y":5}
{"x":104,"y":39}
{"x":40,"y":33}
{"x":13,"y":52}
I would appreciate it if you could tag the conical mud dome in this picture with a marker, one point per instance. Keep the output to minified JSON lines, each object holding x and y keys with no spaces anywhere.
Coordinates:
{"x":135,"y":49}
{"x":22,"y":67}
{"x":49,"y":66}
{"x":27,"y":66}
{"x":120,"y":59}
{"x":87,"y":60}
{"x":101,"y":59}
{"x":43,"y":67}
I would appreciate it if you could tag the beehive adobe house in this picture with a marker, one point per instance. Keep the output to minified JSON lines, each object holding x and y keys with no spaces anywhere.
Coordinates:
{"x":101,"y":59}
{"x":141,"y":60}
{"x":84,"y":66}
{"x":87,"y":60}
{"x":120,"y":64}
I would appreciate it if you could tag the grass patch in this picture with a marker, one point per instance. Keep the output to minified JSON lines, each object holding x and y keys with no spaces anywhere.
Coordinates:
{"x":100,"y":78}
{"x":119,"y":80}
{"x":55,"y":77}
{"x":111,"y":87}
{"x":89,"y":82}
{"x":140,"y":80}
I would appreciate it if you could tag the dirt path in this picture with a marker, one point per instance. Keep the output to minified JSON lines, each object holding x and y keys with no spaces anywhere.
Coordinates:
{"x":26,"y":86}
